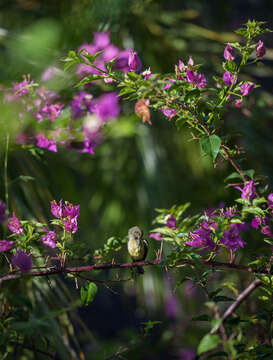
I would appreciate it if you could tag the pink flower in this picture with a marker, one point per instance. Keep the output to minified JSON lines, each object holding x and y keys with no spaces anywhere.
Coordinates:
{"x":248,"y":191}
{"x":49,"y":239}
{"x":260,"y":49}
{"x":238,"y":103}
{"x":134,"y":62}
{"x":101,"y":40}
{"x":22,"y":261}
{"x":201,"y":81}
{"x":156,"y":236}
{"x":169,"y":112}
{"x":228,"y":78}
{"x":5,"y":245}
{"x":147,"y":73}
{"x":171,"y":222}
{"x":246,"y":88}
{"x":14,"y":225}
{"x":190,"y":61}
{"x":169,"y":84}
{"x":229,"y":53}
{"x":46,"y":143}
{"x":56,"y":210}
{"x":107,"y":107}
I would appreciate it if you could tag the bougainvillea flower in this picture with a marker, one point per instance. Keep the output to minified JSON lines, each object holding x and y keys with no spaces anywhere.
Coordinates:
{"x":22,"y":260}
{"x":169,"y":84}
{"x":201,"y":81}
{"x":266,"y":230}
{"x":14,"y":225}
{"x":46,"y":143}
{"x":22,"y":88}
{"x":248,"y":191}
{"x":238,"y":103}
{"x":202,"y":237}
{"x":134,"y":62}
{"x":246,"y":88}
{"x":56,"y":209}
{"x":260,"y":49}
{"x":190,"y":61}
{"x":101,"y":40}
{"x":156,"y":236}
{"x":232,"y":239}
{"x":49,"y":239}
{"x":171,"y":222}
{"x":229,"y":53}
{"x":3,"y":215}
{"x":5,"y":245}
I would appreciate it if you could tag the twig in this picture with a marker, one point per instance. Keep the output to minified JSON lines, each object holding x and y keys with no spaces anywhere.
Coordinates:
{"x":242,"y":297}
{"x":87,"y":268}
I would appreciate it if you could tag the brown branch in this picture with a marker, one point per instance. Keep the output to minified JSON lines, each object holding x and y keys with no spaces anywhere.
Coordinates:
{"x":242,"y":297}
{"x":78,"y":269}
{"x":233,"y":162}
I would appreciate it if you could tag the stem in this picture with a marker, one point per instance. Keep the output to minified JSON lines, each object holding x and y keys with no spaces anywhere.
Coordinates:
{"x":233,"y":163}
{"x":6,"y":172}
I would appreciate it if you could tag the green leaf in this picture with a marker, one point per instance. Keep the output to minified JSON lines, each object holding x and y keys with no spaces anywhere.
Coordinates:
{"x":229,"y":66}
{"x":243,"y":201}
{"x":208,"y":342}
{"x":254,"y":210}
{"x":210,"y":145}
{"x":88,"y":293}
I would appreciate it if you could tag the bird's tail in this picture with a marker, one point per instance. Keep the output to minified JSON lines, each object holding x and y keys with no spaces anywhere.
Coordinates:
{"x":140,"y":270}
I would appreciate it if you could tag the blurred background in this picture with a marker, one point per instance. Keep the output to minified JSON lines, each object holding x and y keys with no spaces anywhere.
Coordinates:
{"x":137,"y":169}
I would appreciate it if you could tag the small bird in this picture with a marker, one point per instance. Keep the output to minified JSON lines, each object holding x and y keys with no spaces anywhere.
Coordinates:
{"x":137,"y":246}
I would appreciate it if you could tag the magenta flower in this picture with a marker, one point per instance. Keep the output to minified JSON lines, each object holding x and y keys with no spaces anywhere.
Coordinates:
{"x":121,"y":64}
{"x":248,"y":191}
{"x":171,"y":222}
{"x":229,"y":53}
{"x":228,"y":78}
{"x":270,"y":198}
{"x":246,"y":88}
{"x":22,"y":261}
{"x":107,"y":107}
{"x":70,"y":224}
{"x":3,"y":215}
{"x":168,"y":112}
{"x":101,"y":40}
{"x":169,"y":84}
{"x":266,"y":230}
{"x":49,"y":239}
{"x":134,"y":62}
{"x":56,"y":209}
{"x":201,"y":81}
{"x":255,"y":222}
{"x":191,"y":76}
{"x":238,"y":103}
{"x":51,"y":111}
{"x":110,"y":52}
{"x":5,"y":245}
{"x":14,"y":225}
{"x":156,"y":236}
{"x":260,"y":49}
{"x":202,"y":237}
{"x":80,"y":103}
{"x":190,"y":61}
{"x":22,"y":88}
{"x":46,"y":143}
{"x":232,"y":239}
{"x":147,"y":73}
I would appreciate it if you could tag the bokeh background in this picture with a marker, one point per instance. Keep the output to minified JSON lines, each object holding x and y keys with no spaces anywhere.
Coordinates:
{"x":137,"y":169}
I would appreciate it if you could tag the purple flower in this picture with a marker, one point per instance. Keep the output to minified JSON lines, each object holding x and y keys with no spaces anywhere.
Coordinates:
{"x":121,"y":64}
{"x":248,"y":191}
{"x":5,"y":245}
{"x":156,"y":236}
{"x":228,"y":78}
{"x":168,"y":85}
{"x":110,"y":52}
{"x":187,"y":354}
{"x":190,"y":61}
{"x":202,"y":237}
{"x":22,"y":88}
{"x":238,"y":103}
{"x":255,"y":222}
{"x":46,"y":143}
{"x":169,"y":112}
{"x":56,"y":209}
{"x":171,"y":222}
{"x":22,"y":261}
{"x":134,"y":62}
{"x":14,"y":225}
{"x":147,"y":73}
{"x":191,"y":76}
{"x":260,"y":49}
{"x":80,"y":103}
{"x":49,"y":73}
{"x":3,"y":215}
{"x":101,"y":40}
{"x":201,"y":81}
{"x":231,"y":238}
{"x":270,"y":199}
{"x":246,"y":88}
{"x":51,"y":111}
{"x":229,"y":53}
{"x":49,"y":239}
{"x":107,"y":107}
{"x":266,"y":230}
{"x":70,"y":210}
{"x":70,"y":224}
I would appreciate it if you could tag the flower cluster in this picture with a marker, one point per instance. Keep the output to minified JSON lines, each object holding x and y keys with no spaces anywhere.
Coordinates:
{"x":262,"y":222}
{"x":126,"y":60}
{"x":68,"y":214}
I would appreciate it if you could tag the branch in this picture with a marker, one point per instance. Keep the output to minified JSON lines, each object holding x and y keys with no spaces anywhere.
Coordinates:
{"x":78,"y":269}
{"x":242,"y":297}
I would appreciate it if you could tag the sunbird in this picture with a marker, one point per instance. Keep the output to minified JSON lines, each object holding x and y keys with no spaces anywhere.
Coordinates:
{"x":137,"y":246}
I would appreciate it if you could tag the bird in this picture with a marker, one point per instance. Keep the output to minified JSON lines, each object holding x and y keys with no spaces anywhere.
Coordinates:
{"x":137,"y":246}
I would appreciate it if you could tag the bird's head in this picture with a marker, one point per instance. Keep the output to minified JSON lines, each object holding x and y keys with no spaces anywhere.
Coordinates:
{"x":135,"y":232}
